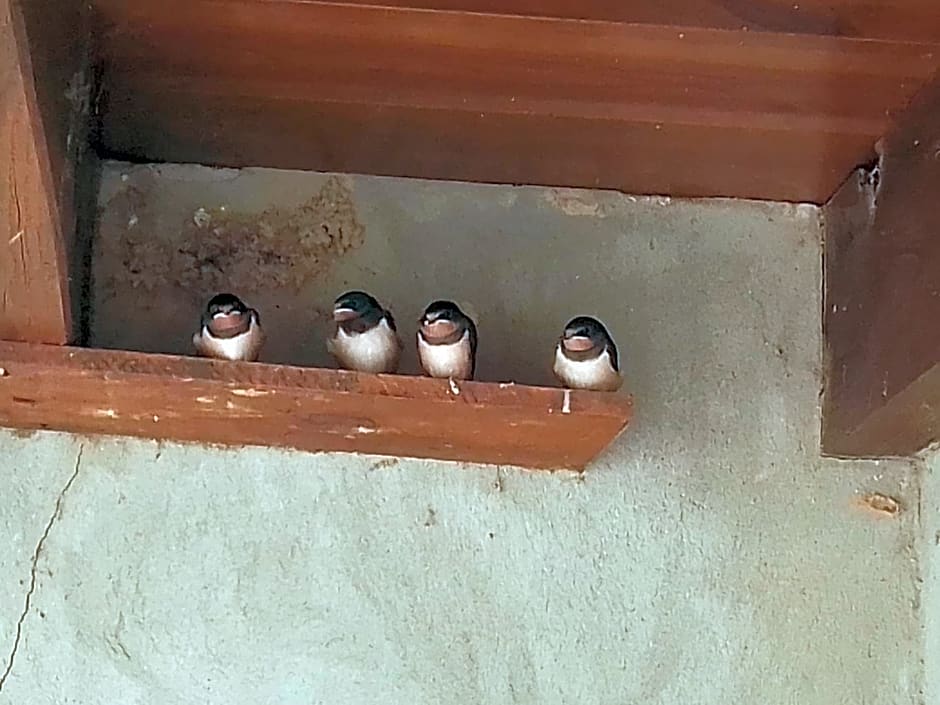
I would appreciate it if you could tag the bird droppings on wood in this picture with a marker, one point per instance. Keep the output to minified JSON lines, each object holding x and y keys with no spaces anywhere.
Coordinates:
{"x":250,"y":392}
{"x":879,"y":505}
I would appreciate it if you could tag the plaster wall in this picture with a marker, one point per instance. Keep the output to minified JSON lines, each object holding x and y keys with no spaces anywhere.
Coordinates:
{"x":710,"y":556}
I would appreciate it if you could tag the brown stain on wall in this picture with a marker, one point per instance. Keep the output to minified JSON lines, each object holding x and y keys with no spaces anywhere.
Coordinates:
{"x":879,"y":505}
{"x":219,"y":249}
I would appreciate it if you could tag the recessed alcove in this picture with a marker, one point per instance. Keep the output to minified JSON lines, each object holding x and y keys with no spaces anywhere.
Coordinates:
{"x":685,"y":101}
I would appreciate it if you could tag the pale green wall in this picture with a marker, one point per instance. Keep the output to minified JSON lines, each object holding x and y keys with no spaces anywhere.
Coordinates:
{"x":709,"y":557}
{"x":930,"y":558}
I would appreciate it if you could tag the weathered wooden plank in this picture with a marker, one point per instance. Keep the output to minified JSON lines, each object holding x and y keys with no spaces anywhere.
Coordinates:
{"x":882,"y":300}
{"x":191,"y":399}
{"x":59,"y":34}
{"x":902,"y":20}
{"x":394,"y":141}
{"x":34,"y":296}
{"x":498,"y":97}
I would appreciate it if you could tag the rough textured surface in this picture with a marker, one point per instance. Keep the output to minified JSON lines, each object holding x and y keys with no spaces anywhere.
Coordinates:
{"x":882,"y":295}
{"x":521,"y":260}
{"x":710,"y":557}
{"x":930,"y":558}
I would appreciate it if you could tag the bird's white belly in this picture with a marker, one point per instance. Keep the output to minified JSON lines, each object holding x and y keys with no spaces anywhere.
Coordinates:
{"x":446,"y":360}
{"x":376,"y":350}
{"x":586,"y":374}
{"x":240,"y":347}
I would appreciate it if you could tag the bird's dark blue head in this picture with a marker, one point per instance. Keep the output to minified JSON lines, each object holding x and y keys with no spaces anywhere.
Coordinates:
{"x":443,"y":320}
{"x":224,"y":305}
{"x":442,"y":311}
{"x":355,"y":304}
{"x":584,"y":333}
{"x":227,"y":315}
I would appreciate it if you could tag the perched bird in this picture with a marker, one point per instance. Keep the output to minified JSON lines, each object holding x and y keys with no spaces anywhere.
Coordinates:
{"x":229,"y":330}
{"x":447,"y":342}
{"x":586,"y":357}
{"x":365,"y":338}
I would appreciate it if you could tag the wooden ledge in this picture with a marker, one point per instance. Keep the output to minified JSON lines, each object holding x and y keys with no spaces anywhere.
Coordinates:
{"x":190,"y":399}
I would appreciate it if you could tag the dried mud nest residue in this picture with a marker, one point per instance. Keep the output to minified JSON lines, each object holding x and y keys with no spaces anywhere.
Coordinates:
{"x":219,"y":250}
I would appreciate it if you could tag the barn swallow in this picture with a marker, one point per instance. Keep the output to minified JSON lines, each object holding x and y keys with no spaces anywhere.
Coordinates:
{"x":586,"y":357}
{"x":447,"y":342}
{"x":364,"y":338}
{"x":229,"y":330}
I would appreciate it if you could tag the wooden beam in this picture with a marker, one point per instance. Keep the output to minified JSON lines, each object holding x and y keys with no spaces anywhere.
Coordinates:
{"x":61,"y":51}
{"x":470,"y":95}
{"x":901,"y":20}
{"x":191,"y":399}
{"x":59,"y":39}
{"x":882,"y":296}
{"x":43,"y":115}
{"x":33,"y":286}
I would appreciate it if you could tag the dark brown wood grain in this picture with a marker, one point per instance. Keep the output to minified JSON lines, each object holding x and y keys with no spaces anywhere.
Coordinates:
{"x":191,"y":399}
{"x":58,"y":34}
{"x":395,"y":141}
{"x":904,"y":20}
{"x":485,"y":96}
{"x":34,"y":289}
{"x":59,"y":39}
{"x":882,"y":298}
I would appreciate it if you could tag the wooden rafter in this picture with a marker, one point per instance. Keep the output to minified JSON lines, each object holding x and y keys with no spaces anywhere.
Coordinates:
{"x":882,"y":298}
{"x":34,"y":296}
{"x":595,"y":94}
{"x":45,"y":96}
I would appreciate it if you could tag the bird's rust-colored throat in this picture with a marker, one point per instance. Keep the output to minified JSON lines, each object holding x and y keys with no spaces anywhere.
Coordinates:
{"x":341,"y":315}
{"x":439,"y":330}
{"x":229,"y":325}
{"x":578,"y":343}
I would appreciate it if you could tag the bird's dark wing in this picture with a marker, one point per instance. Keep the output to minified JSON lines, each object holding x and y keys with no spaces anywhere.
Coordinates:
{"x":471,"y":327}
{"x":391,"y":320}
{"x":612,"y":351}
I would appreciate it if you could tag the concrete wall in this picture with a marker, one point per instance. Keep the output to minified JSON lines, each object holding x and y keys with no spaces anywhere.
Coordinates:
{"x":710,"y":557}
{"x":930,"y":559}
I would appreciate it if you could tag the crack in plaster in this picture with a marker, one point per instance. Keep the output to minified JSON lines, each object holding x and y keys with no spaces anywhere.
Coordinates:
{"x":33,"y":567}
